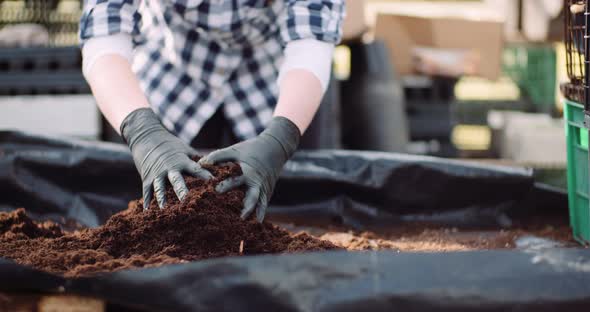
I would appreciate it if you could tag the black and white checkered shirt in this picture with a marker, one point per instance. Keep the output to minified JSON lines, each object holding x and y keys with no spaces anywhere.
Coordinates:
{"x":193,"y":56}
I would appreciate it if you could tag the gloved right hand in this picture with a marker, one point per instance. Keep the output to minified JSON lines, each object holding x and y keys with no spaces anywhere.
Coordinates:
{"x":159,"y":155}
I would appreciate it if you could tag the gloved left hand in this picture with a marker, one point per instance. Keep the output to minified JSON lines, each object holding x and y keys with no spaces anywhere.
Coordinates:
{"x":261,"y":159}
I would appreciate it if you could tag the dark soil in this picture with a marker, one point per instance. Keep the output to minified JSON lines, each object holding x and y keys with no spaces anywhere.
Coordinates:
{"x":205,"y":225}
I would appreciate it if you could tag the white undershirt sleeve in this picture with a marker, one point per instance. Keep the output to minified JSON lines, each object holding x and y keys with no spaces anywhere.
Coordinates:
{"x":119,"y":44}
{"x":309,"y":54}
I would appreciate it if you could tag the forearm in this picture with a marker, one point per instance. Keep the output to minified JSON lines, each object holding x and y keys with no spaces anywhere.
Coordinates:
{"x":107,"y":68}
{"x":300,"y":97}
{"x":303,"y":79}
{"x":115,"y":88}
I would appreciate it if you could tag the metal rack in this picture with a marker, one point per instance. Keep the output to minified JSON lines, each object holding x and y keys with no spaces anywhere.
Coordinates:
{"x":576,"y":50}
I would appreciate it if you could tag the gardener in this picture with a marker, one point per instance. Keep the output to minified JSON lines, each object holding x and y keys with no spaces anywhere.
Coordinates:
{"x":257,"y":67}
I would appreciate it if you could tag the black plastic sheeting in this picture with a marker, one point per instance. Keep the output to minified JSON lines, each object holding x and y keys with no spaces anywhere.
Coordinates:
{"x":341,"y":281}
{"x":88,"y":182}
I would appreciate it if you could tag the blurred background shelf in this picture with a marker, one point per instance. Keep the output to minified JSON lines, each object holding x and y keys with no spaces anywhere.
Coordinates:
{"x":59,"y":18}
{"x":373,"y":103}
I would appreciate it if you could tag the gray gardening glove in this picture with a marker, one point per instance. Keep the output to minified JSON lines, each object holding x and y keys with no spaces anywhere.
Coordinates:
{"x":158,"y":155}
{"x":261,"y":159}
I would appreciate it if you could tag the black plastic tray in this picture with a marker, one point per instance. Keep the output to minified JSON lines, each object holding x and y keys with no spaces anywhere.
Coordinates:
{"x":40,"y":59}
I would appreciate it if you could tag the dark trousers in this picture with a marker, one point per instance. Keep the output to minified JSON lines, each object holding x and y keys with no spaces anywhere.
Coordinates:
{"x":216,"y":133}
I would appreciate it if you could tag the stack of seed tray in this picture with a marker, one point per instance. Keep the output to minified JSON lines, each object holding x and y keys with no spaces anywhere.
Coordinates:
{"x":53,"y":68}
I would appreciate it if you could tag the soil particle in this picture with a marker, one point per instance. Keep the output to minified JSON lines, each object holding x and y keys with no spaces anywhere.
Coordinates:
{"x":205,"y":225}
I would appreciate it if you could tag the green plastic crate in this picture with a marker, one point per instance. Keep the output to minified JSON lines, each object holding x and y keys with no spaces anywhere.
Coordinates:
{"x":533,"y":68}
{"x":577,"y":170}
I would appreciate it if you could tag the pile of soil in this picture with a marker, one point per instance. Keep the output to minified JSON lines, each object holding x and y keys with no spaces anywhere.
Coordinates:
{"x":205,"y":225}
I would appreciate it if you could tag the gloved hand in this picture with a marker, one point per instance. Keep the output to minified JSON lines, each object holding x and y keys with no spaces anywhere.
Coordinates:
{"x":158,"y":155}
{"x":261,"y":159}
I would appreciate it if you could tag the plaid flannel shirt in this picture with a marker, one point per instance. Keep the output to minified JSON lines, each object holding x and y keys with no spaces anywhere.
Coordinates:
{"x":193,"y":56}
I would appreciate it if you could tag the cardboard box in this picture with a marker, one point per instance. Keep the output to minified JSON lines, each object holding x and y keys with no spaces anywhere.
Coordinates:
{"x":354,"y":25}
{"x":404,"y":34}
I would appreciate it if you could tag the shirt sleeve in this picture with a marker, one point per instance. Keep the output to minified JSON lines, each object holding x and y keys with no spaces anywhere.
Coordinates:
{"x":313,"y":19}
{"x":119,"y":44}
{"x":108,"y":17}
{"x":312,"y":55}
